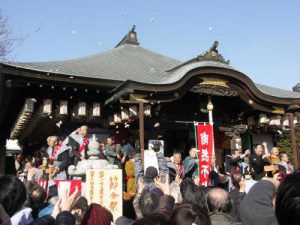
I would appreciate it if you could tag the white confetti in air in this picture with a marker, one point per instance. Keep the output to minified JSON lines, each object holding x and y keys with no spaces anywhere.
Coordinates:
{"x":210,"y":28}
{"x":127,"y":125}
{"x":73,"y":32}
{"x":156,"y":124}
{"x":152,"y":70}
{"x":152,"y":19}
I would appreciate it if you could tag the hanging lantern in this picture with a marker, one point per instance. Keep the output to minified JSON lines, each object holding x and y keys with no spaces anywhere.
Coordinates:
{"x":111,"y":121}
{"x":275,"y":121}
{"x":297,"y":115}
{"x":29,"y":105}
{"x":124,"y":114}
{"x":81,"y":109}
{"x":96,"y":109}
{"x":133,"y":112}
{"x":63,"y":108}
{"x":295,"y":120}
{"x":285,"y":122}
{"x":263,"y":119}
{"x":47,"y":107}
{"x":147,"y":110}
{"x":117,"y":118}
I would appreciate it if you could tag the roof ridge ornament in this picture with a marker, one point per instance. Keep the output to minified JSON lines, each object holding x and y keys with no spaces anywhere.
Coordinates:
{"x":130,"y":38}
{"x":212,"y":54}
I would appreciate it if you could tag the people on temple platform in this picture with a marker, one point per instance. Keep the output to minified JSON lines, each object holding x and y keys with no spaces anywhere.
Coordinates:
{"x":274,"y":156}
{"x":190,"y":164}
{"x":18,"y":162}
{"x":284,"y":164}
{"x":57,"y":155}
{"x":257,"y":162}
{"x":78,"y":141}
{"x":175,"y":165}
{"x":233,"y":162}
{"x":115,"y":154}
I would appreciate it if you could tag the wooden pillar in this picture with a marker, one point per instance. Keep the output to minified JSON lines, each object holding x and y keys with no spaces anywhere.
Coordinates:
{"x":141,"y":128}
{"x":293,"y":139}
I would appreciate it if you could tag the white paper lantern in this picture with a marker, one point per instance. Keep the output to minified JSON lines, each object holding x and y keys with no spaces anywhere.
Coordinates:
{"x":263,"y":119}
{"x":63,"y":108}
{"x":124,"y":114}
{"x":147,"y":110}
{"x":117,"y":118}
{"x":96,"y":109}
{"x":47,"y":107}
{"x":275,"y":121}
{"x":81,"y":109}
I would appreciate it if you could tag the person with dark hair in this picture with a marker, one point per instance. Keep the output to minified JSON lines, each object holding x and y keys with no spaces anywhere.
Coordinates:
{"x":237,"y":194}
{"x":97,"y":215}
{"x":36,"y":200}
{"x":257,"y":163}
{"x":257,"y":206}
{"x":153,"y":219}
{"x":287,"y":204}
{"x":12,"y":198}
{"x":234,"y":160}
{"x":196,"y":195}
{"x":190,"y":214}
{"x":79,"y":209}
{"x":219,"y":206}
{"x":115,"y":154}
{"x":148,"y":202}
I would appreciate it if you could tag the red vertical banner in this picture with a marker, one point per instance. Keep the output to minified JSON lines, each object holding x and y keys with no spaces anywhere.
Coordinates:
{"x":205,"y":146}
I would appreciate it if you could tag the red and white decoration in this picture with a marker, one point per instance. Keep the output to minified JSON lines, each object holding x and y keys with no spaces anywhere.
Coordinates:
{"x":205,"y":146}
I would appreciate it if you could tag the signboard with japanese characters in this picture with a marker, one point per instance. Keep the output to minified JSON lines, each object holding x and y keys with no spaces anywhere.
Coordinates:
{"x":104,"y":186}
{"x":205,"y":144}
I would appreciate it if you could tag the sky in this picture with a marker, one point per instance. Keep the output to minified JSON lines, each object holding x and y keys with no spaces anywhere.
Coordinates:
{"x":259,"y":37}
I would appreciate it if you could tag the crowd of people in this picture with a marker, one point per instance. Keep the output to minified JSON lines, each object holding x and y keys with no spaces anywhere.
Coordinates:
{"x":260,"y":188}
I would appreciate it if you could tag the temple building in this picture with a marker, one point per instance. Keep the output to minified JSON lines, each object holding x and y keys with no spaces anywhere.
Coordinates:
{"x":132,"y":91}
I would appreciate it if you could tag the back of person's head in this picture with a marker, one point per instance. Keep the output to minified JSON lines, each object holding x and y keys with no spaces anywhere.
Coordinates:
{"x":153,"y":219}
{"x":219,"y":200}
{"x":188,"y":214}
{"x":12,"y":194}
{"x":148,"y":202}
{"x":236,"y":179}
{"x":186,"y":183}
{"x":287,"y":206}
{"x":233,"y":151}
{"x":37,"y":197}
{"x":97,"y":215}
{"x":196,"y":195}
{"x":150,"y":173}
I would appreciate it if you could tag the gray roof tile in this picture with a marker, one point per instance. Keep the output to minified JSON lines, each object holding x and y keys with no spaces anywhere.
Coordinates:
{"x":132,"y":62}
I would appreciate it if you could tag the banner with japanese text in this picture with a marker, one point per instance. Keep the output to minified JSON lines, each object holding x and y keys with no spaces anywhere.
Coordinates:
{"x":205,"y":146}
{"x":104,"y":186}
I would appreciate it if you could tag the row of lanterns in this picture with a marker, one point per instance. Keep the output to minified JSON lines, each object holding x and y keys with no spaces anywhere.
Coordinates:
{"x":128,"y":113}
{"x":63,"y":108}
{"x":273,"y":120}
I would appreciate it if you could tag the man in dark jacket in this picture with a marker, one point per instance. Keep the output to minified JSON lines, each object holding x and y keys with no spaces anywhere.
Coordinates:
{"x":257,"y":163}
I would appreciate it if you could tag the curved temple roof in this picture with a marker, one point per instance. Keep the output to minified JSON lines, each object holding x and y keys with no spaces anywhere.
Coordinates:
{"x":130,"y":62}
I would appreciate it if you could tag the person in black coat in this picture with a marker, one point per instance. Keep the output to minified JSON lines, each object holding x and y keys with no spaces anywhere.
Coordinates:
{"x":257,"y":163}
